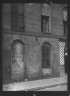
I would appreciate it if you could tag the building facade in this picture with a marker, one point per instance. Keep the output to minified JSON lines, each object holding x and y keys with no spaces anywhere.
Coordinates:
{"x":33,"y":41}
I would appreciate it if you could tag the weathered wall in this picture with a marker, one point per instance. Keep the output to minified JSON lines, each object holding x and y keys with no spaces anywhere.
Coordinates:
{"x":32,"y":55}
{"x":6,"y":16}
{"x":32,"y":17}
{"x":33,"y":61}
{"x":55,"y":59}
{"x":57,"y":19}
{"x":6,"y":60}
{"x":32,"y":20}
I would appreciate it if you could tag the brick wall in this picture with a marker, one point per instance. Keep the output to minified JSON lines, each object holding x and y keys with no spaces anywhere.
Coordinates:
{"x":32,"y":17}
{"x":6,"y":57}
{"x":57,"y":19}
{"x":55,"y":56}
{"x":6,"y":16}
{"x":33,"y":61}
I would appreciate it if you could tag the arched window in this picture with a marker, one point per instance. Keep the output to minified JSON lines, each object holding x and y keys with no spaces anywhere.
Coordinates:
{"x":17,"y":60}
{"x":46,"y":55}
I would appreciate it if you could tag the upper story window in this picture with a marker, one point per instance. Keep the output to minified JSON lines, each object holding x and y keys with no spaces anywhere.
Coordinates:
{"x":17,"y":17}
{"x":45,"y":24}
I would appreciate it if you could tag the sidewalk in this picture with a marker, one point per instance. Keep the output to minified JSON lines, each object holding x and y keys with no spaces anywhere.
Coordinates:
{"x":57,"y":88}
{"x":34,"y":85}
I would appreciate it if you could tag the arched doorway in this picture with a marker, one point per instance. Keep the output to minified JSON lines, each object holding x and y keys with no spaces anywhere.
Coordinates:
{"x":17,"y":60}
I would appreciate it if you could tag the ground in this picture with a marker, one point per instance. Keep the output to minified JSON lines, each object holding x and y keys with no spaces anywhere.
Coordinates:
{"x":53,"y":84}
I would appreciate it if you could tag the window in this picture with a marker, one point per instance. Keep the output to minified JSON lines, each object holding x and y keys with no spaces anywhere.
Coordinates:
{"x":45,"y":24}
{"x":17,"y":61}
{"x":46,"y":55}
{"x":17,"y":17}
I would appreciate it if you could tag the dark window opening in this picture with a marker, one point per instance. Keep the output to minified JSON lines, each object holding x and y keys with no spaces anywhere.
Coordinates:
{"x":45,"y":24}
{"x":17,"y":17}
{"x":46,"y":55}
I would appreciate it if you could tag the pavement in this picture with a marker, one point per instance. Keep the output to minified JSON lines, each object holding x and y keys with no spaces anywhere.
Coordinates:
{"x":58,"y":88}
{"x":53,"y":84}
